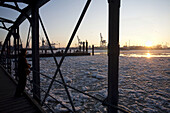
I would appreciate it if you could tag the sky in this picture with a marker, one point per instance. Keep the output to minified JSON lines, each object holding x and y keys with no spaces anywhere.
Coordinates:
{"x":141,"y":21}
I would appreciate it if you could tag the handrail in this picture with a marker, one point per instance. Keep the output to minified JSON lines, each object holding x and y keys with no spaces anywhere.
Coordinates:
{"x":49,"y":108}
{"x":51,"y":96}
{"x":44,"y":104}
{"x":105,"y":103}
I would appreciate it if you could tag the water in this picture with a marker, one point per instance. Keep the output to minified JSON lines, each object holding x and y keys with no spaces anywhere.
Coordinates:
{"x":139,"y":53}
{"x":144,"y":81}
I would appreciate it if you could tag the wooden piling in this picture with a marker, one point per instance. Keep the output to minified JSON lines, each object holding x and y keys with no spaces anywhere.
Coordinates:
{"x":92,"y":49}
{"x":86,"y":46}
{"x":80,"y":48}
{"x":83,"y":47}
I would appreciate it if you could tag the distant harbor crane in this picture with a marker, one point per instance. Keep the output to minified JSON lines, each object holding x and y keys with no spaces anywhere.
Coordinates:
{"x":45,"y":44}
{"x":79,"y":41}
{"x":102,"y":42}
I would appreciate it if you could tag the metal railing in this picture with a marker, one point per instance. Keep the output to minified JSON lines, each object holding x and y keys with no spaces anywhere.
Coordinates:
{"x":104,"y":102}
{"x":57,"y":101}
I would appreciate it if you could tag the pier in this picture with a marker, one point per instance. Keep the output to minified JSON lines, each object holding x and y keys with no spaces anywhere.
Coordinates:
{"x":11,"y":104}
{"x":56,"y":55}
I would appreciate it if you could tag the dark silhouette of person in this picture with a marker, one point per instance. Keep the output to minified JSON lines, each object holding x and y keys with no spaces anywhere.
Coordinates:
{"x":23,"y":71}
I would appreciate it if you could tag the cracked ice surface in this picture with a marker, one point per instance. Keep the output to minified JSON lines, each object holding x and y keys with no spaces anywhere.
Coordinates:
{"x":144,"y":83}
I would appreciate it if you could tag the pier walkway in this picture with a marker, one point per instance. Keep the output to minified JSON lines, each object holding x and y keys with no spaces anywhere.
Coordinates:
{"x":11,"y":104}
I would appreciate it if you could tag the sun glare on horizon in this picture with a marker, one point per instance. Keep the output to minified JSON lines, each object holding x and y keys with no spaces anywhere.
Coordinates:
{"x":148,"y":55}
{"x":148,"y":44}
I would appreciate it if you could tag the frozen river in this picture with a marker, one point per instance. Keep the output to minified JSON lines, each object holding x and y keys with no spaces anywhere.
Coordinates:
{"x":144,"y":81}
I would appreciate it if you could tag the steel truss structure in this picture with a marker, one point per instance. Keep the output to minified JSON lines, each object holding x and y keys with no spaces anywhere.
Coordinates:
{"x":31,"y":13}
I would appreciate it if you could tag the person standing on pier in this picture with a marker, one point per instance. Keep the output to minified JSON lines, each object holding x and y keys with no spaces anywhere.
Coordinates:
{"x":23,"y":71}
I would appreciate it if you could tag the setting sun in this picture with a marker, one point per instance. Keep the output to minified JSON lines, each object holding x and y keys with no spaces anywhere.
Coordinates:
{"x":148,"y":43}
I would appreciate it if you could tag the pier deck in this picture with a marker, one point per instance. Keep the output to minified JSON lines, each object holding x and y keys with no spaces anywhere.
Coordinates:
{"x":11,"y":104}
{"x":56,"y":55}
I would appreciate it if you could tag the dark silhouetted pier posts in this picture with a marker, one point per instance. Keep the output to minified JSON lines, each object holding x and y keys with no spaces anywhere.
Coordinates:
{"x":83,"y":47}
{"x":86,"y":46}
{"x":80,"y":48}
{"x":92,"y":49}
{"x":35,"y":51}
{"x":113,"y":55}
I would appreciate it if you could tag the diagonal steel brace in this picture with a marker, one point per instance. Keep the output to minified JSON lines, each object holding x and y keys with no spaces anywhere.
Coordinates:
{"x":65,"y":52}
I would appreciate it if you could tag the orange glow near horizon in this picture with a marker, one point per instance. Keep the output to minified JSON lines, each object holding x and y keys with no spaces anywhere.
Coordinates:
{"x":148,"y":54}
{"x":148,"y":44}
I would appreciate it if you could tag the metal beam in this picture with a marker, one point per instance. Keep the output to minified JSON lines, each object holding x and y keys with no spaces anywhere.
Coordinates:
{"x":24,"y":12}
{"x":23,"y":1}
{"x":27,"y":11}
{"x":15,"y":54}
{"x":21,"y":18}
{"x":6,"y":41}
{"x":113,"y":54}
{"x":4,"y":28}
{"x":68,"y":94}
{"x":6,"y":20}
{"x":67,"y":48}
{"x":35,"y":51}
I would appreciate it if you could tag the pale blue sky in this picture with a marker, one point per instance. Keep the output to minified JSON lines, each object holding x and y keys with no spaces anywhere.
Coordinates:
{"x":140,"y":21}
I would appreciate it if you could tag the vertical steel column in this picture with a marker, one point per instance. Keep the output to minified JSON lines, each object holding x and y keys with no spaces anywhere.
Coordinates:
{"x":35,"y":50}
{"x":9,"y":56}
{"x":7,"y":62}
{"x":15,"y":52}
{"x":5,"y":56}
{"x":18,"y":40}
{"x":113,"y":54}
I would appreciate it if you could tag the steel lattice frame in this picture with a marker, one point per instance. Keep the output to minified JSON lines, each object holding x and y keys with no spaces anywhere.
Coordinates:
{"x":32,"y":9}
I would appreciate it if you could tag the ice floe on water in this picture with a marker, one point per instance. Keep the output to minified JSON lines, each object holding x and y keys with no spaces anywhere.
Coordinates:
{"x":144,"y":83}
